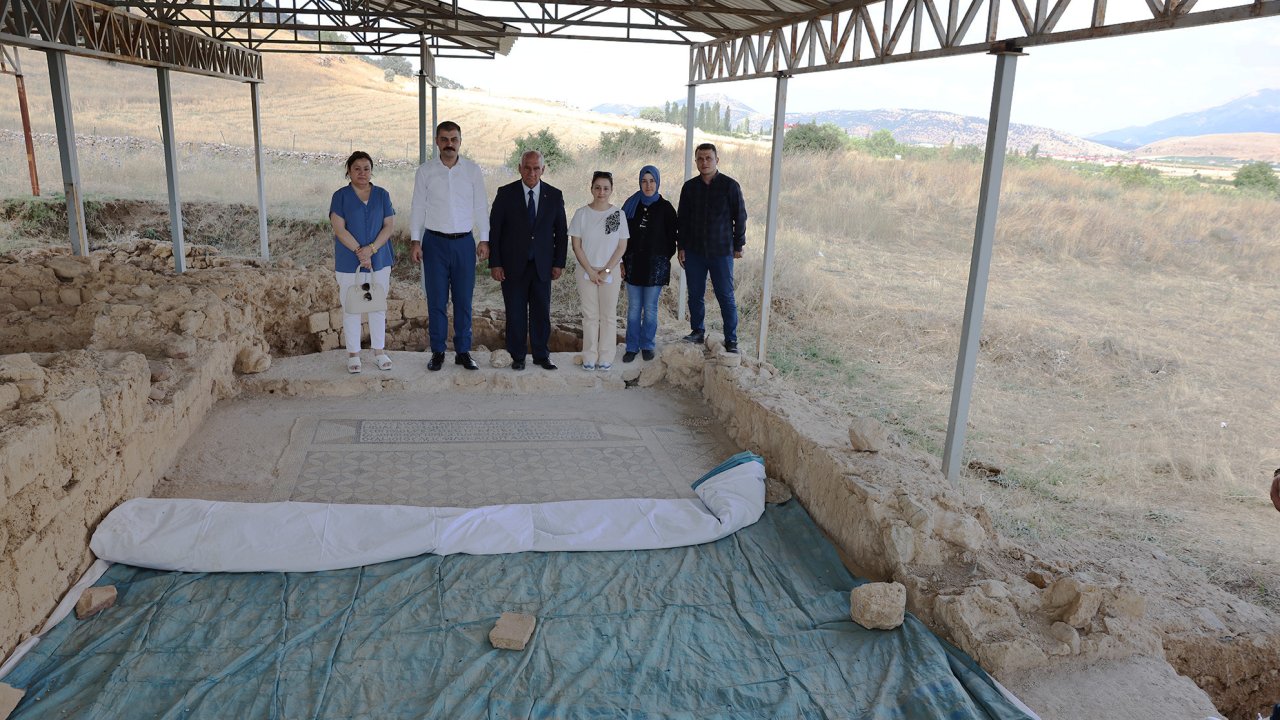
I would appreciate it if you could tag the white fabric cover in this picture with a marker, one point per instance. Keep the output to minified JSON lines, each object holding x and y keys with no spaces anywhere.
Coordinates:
{"x":209,"y":536}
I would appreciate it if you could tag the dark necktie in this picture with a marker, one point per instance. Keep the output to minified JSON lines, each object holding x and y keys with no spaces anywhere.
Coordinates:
{"x":533,"y":210}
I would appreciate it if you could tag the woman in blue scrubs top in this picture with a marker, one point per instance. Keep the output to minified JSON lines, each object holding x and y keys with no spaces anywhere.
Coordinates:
{"x":362,"y":219}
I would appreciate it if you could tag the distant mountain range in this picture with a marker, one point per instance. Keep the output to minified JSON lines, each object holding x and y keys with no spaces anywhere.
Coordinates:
{"x":1257,"y":112}
{"x":914,"y":127}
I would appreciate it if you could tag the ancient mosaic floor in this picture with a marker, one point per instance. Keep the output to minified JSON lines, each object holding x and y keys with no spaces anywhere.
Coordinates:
{"x":450,"y":449}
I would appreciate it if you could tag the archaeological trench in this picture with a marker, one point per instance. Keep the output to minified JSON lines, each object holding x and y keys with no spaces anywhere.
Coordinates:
{"x":109,"y":363}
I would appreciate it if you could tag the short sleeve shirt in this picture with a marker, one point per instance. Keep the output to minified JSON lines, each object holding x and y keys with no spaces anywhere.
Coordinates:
{"x":364,"y":222}
{"x":600,"y":230}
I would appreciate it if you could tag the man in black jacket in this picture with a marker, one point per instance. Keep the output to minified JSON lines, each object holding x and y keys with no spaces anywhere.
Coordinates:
{"x":713,"y":231}
{"x":528,"y":243}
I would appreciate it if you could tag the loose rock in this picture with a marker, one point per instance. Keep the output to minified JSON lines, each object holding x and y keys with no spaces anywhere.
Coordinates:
{"x":513,"y":630}
{"x":868,"y":435}
{"x":499,"y":359}
{"x":95,"y":600}
{"x":776,"y":492}
{"x":878,"y":606}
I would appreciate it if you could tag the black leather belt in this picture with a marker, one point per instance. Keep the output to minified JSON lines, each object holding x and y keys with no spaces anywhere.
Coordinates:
{"x":449,"y":236}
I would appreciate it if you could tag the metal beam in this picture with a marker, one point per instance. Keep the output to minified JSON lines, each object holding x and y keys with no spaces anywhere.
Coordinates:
{"x":62,"y":119}
{"x":91,"y":29}
{"x":771,"y":217}
{"x":805,"y":45}
{"x":426,"y":76}
{"x":171,"y":170}
{"x":980,"y":264}
{"x":260,"y":168}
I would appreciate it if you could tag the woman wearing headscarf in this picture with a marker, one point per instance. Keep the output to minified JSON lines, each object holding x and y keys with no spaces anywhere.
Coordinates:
{"x":646,"y":265}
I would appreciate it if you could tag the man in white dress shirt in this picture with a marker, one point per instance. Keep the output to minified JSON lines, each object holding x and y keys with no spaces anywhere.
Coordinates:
{"x":448,"y":205}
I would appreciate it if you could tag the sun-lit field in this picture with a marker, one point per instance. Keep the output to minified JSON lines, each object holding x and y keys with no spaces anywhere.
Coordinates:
{"x":1127,"y":384}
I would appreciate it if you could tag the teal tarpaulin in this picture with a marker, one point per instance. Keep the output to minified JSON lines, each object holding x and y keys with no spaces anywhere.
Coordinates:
{"x":755,"y":625}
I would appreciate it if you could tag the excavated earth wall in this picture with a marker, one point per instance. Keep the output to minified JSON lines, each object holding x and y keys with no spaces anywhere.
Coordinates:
{"x":109,"y":363}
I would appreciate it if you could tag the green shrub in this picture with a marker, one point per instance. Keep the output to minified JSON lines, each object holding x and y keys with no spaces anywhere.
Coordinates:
{"x":1257,"y":176}
{"x":630,"y":142}
{"x":545,"y":142}
{"x":814,"y":138}
{"x":1134,"y":175}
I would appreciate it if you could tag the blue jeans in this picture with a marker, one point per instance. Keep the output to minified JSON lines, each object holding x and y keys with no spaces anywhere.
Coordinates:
{"x":696,"y":269}
{"x":642,"y":316}
{"x":449,"y":265}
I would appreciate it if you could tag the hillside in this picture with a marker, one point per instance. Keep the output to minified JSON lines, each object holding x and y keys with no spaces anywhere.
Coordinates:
{"x":1235,"y":146}
{"x":324,"y":104}
{"x":913,"y":127}
{"x":1257,"y":112}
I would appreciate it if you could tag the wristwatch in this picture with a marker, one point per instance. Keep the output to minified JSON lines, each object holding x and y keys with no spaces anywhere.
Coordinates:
{"x":608,"y":270}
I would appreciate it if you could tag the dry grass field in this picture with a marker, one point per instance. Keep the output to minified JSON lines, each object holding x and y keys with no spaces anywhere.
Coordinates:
{"x":1128,"y":384}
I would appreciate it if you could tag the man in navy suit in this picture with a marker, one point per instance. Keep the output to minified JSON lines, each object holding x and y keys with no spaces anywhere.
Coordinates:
{"x":528,"y":242}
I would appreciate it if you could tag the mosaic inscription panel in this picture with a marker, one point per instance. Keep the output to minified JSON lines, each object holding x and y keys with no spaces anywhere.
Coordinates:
{"x":404,"y":432}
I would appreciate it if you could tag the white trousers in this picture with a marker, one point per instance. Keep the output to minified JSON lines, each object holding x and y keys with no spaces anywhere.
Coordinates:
{"x":599,"y":320}
{"x":377,"y":320}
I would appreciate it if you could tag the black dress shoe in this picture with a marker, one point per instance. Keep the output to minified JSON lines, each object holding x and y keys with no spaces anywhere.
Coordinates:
{"x":628,"y":356}
{"x":696,"y":337}
{"x":646,"y":354}
{"x":436,"y":361}
{"x":517,"y":364}
{"x":545,"y":364}
{"x":464,"y":359}
{"x":731,"y":347}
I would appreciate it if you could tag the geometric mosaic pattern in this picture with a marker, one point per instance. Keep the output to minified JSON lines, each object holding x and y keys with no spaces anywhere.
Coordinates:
{"x":463,"y":478}
{"x":485,"y":431}
{"x":468,"y":463}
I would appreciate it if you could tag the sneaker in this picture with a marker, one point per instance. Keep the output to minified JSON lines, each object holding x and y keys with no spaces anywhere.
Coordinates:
{"x":696,"y":336}
{"x":628,"y":356}
{"x":604,"y":368}
{"x":646,"y":354}
{"x":731,"y":346}
{"x":588,"y":366}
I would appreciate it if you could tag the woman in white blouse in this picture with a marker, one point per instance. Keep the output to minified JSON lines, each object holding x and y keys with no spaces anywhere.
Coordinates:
{"x":599,"y":234}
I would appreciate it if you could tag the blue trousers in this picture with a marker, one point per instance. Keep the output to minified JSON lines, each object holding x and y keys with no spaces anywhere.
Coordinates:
{"x":642,"y":316}
{"x":696,"y":269}
{"x":449,"y":265}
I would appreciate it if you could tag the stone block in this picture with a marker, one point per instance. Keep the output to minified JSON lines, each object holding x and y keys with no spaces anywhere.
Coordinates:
{"x":69,"y":296}
{"x":335,"y":318}
{"x":868,"y":435}
{"x":27,"y":299}
{"x":9,"y":699}
{"x":95,"y":600}
{"x":181,"y":348}
{"x":329,"y":340}
{"x":9,"y":396}
{"x":630,"y":374}
{"x":1066,"y":635}
{"x":961,"y":530}
{"x":1072,"y":601}
{"x":776,"y":492}
{"x":415,"y":307}
{"x":878,"y":606}
{"x":651,"y":374}
{"x":74,"y":412}
{"x":252,"y":360}
{"x":317,"y":322}
{"x":67,"y":267}
{"x":512,"y":631}
{"x":23,"y":372}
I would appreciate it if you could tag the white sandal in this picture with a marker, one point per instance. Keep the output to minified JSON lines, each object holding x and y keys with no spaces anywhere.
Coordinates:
{"x":353,"y":364}
{"x":383,"y":361}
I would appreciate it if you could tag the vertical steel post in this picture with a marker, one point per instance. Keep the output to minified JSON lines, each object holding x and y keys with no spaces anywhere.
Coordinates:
{"x":980,"y":264}
{"x":62,"y":119}
{"x":690,"y":114}
{"x":435,"y":115}
{"x":171,"y":169}
{"x":264,"y":248}
{"x":771,"y":219}
{"x":424,"y":136}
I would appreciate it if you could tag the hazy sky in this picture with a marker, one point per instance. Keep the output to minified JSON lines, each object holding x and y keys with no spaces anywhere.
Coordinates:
{"x":1082,"y":88}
